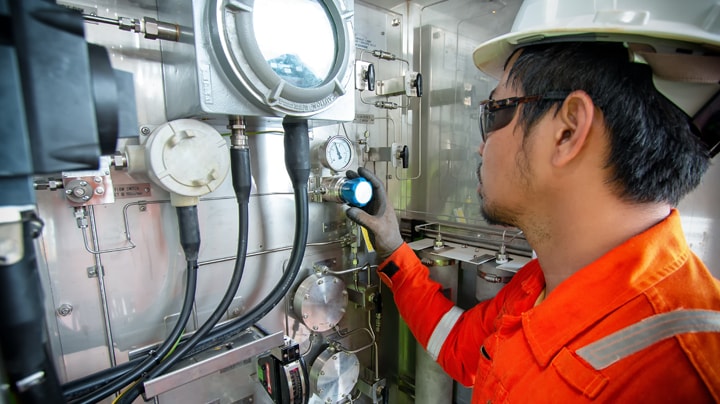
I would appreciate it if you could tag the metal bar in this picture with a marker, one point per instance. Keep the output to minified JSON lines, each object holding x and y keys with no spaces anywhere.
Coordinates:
{"x":103,"y":20}
{"x":101,"y":286}
{"x":478,"y":236}
{"x":211,"y":365}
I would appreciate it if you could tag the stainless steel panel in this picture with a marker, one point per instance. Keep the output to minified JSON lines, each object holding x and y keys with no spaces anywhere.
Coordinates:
{"x":199,"y":367}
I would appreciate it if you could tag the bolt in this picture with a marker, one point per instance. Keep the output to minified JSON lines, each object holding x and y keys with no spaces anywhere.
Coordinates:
{"x":97,"y":179}
{"x":99,"y":190}
{"x":64,"y":309}
{"x":145,"y":130}
{"x":86,"y":198}
{"x":68,"y":191}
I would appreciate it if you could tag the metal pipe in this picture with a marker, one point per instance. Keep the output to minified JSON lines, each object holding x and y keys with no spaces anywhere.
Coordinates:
{"x":270,"y":251}
{"x":103,"y":20}
{"x":101,"y":284}
{"x":478,"y":236}
{"x":353,"y":351}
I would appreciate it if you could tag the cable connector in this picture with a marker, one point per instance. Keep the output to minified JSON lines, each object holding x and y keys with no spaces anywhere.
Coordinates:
{"x":501,"y":256}
{"x":238,"y":138}
{"x":381,"y":54}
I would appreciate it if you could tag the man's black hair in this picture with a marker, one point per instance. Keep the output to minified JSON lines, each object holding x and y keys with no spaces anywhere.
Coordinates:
{"x":654,"y":155}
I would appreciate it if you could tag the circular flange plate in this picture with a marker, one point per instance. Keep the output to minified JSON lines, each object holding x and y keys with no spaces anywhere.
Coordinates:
{"x":333,"y":375}
{"x":320,"y":301}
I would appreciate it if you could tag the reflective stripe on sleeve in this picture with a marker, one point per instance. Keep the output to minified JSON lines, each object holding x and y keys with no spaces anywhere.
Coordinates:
{"x":442,"y":330}
{"x":621,"y":344}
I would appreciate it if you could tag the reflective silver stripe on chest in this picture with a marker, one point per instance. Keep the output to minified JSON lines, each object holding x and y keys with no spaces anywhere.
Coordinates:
{"x":442,"y":330}
{"x":621,"y":344}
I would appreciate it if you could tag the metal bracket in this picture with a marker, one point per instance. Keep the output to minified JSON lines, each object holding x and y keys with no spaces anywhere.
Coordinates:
{"x":219,"y":361}
{"x":92,"y":272}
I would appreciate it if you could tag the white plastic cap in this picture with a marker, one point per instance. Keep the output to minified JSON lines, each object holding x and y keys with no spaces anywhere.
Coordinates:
{"x":652,"y":29}
{"x":188,"y":158}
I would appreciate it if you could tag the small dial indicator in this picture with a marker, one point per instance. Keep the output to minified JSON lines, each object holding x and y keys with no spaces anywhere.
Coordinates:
{"x":336,"y":153}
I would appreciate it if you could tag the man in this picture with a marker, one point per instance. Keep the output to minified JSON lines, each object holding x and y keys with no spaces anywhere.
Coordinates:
{"x":585,"y":156}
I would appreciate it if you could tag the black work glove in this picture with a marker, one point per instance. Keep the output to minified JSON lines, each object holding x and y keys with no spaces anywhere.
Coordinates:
{"x":377,"y":216}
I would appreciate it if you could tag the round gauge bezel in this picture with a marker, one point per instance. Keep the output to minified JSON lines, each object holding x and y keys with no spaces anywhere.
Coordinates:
{"x":325,"y":148}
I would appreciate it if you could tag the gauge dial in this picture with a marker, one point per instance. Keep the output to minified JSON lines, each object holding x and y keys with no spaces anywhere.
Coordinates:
{"x":337,"y":153}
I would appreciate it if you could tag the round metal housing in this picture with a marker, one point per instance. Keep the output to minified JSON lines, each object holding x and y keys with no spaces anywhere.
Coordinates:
{"x":333,"y":375}
{"x":320,"y":301}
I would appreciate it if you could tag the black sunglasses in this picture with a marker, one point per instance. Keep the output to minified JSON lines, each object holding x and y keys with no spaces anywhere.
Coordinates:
{"x":497,"y":114}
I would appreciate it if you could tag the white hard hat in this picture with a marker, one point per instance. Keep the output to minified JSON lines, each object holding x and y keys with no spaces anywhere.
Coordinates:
{"x":679,"y":40}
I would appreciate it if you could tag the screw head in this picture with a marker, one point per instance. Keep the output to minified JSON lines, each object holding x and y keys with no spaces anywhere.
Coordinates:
{"x":64,"y":310}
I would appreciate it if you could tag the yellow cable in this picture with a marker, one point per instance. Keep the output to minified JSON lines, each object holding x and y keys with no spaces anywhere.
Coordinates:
{"x":177,"y":342}
{"x":366,"y":237}
{"x":121,"y":394}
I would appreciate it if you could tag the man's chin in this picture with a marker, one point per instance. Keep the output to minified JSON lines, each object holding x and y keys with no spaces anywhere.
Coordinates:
{"x":493,"y":217}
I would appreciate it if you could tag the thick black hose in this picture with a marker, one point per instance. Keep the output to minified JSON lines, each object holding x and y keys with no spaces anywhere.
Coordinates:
{"x":242,"y":183}
{"x":190,"y":241}
{"x":297,"y":164}
{"x":85,"y":385}
{"x":296,"y":144}
{"x":240,"y":161}
{"x":234,"y":327}
{"x":129,"y":377}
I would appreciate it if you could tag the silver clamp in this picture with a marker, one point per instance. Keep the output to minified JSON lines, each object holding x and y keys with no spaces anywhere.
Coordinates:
{"x":492,"y":278}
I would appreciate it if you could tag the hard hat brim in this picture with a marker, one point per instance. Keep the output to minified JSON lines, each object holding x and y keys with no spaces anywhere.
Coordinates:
{"x":490,"y":57}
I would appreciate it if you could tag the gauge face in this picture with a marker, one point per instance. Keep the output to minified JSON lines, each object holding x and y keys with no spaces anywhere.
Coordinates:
{"x":337,"y":153}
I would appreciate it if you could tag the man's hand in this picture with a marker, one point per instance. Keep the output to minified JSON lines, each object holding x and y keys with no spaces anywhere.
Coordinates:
{"x":377,"y":216}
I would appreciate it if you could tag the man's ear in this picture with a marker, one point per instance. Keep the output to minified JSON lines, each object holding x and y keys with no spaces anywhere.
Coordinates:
{"x":575,"y":119}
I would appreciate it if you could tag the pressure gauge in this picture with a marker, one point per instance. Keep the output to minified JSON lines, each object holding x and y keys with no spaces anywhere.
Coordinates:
{"x":336,"y":153}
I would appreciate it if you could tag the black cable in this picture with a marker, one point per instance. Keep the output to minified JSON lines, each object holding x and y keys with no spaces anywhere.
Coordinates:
{"x":241,"y":176}
{"x":190,"y":241}
{"x":297,"y":162}
{"x":86,"y":385}
{"x":242,"y":183}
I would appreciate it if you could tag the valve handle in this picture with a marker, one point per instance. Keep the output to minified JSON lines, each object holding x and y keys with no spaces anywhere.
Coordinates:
{"x":404,"y":155}
{"x":370,"y":77}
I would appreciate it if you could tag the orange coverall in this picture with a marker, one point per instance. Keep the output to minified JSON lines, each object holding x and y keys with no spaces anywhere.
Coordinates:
{"x":511,"y":351}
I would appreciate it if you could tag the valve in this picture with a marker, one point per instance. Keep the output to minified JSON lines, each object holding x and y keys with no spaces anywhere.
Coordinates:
{"x":353,"y":191}
{"x":400,"y":153}
{"x":364,"y":76}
